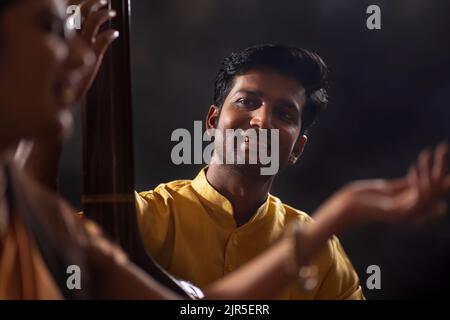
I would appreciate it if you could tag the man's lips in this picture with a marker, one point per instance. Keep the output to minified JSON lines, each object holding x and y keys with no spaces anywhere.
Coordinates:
{"x":258,"y":144}
{"x":258,"y":140}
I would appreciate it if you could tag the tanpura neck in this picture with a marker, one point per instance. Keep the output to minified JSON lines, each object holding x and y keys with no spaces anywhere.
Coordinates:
{"x":246,"y":193}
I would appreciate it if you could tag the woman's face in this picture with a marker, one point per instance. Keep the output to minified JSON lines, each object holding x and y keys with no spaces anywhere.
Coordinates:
{"x":41,"y":67}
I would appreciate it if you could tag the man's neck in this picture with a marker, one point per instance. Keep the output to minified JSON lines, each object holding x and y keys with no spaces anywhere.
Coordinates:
{"x":245,"y":192}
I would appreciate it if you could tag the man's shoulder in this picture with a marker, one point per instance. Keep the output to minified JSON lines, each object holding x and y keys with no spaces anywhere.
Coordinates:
{"x":167,"y":188}
{"x":290,"y":213}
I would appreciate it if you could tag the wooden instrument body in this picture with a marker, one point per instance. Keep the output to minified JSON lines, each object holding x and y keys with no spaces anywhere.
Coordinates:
{"x":108,"y":174}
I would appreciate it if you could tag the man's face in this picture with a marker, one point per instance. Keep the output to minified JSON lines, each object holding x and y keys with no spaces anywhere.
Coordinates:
{"x":265,"y":99}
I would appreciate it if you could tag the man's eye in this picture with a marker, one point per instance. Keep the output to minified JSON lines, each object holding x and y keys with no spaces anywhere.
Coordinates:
{"x":286,"y":116}
{"x":245,"y":102}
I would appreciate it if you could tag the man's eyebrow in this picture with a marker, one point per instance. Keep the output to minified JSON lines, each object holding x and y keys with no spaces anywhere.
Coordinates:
{"x":252,"y":92}
{"x":288,"y":104}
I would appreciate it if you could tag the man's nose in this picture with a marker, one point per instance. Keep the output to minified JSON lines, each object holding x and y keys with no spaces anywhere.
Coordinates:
{"x":262,"y":118}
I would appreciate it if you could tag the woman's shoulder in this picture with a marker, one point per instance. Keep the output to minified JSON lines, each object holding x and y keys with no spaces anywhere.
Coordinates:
{"x":47,"y":208}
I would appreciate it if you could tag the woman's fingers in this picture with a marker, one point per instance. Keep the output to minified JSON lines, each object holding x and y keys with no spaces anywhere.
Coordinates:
{"x":424,"y":175}
{"x":416,"y":198}
{"x":102,"y":44}
{"x":94,"y":22}
{"x":104,"y":40}
{"x":74,"y":2}
{"x":410,"y":203}
{"x":432,"y":185}
{"x":438,"y":171}
{"x":440,"y":164}
{"x":96,"y":17}
{"x":90,"y":6}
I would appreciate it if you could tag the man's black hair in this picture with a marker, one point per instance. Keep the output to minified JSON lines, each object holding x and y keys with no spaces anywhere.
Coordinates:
{"x":305,"y":66}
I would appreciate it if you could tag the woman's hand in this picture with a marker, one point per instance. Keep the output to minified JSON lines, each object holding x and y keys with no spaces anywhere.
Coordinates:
{"x":94,"y":14}
{"x":41,"y":156}
{"x":417,"y":197}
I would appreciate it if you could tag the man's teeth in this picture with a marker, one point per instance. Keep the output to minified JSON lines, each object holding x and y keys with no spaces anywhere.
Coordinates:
{"x":246,"y":139}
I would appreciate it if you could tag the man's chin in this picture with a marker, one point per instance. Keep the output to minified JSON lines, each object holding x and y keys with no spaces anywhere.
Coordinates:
{"x":252,"y":170}
{"x":249,"y":168}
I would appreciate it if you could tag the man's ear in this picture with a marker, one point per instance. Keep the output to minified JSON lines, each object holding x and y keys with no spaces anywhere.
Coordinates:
{"x":212,"y":117}
{"x":298,"y":148}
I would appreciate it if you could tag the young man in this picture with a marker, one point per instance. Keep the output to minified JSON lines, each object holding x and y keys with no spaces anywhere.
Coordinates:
{"x":202,"y":229}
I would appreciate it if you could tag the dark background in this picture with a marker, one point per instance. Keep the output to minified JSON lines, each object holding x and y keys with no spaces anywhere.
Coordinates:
{"x":388,"y":97}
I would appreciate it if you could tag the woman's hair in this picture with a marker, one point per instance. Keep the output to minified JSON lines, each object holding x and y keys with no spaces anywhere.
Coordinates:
{"x":5,"y":4}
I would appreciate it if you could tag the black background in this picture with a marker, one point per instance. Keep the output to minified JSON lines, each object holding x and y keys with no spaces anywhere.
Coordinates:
{"x":388,"y":96}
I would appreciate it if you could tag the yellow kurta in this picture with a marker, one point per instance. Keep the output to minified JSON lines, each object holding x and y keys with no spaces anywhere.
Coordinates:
{"x":23,"y":274}
{"x":189,"y":229}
